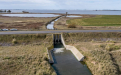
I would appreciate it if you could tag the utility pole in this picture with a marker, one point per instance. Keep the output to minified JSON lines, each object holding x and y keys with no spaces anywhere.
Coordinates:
{"x":66,"y":14}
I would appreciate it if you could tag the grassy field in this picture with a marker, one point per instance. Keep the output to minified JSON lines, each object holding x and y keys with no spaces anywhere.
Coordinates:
{"x":24,"y":23}
{"x":23,"y":39}
{"x":90,"y":22}
{"x":100,"y":20}
{"x":101,"y":51}
{"x":117,"y":56}
{"x":95,"y":36}
{"x":62,"y":22}
{"x":25,"y":59}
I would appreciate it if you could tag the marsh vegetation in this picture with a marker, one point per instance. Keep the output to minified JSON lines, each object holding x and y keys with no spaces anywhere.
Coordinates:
{"x":25,"y":59}
{"x":101,"y":51}
{"x":24,"y":23}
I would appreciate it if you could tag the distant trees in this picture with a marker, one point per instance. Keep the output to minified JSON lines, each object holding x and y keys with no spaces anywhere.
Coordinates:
{"x":25,"y":12}
{"x":5,"y":11}
{"x":9,"y":11}
{"x":2,"y":10}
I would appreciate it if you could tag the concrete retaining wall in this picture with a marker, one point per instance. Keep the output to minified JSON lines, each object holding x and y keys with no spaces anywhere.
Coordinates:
{"x":74,"y":50}
{"x":49,"y":49}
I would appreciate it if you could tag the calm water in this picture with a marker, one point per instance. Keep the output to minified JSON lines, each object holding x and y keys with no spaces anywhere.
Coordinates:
{"x":30,"y":15}
{"x":65,"y":62}
{"x":73,"y":16}
{"x":73,"y":12}
{"x":50,"y":26}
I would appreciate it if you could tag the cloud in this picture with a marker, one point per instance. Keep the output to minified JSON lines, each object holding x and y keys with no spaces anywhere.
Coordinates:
{"x":61,"y":4}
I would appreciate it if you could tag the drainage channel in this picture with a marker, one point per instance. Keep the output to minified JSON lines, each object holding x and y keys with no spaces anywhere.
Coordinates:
{"x":51,"y":24}
{"x":64,"y":62}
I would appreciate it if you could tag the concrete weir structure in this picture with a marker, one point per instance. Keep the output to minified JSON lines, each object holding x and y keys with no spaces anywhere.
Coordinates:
{"x":58,"y":38}
{"x":74,"y":50}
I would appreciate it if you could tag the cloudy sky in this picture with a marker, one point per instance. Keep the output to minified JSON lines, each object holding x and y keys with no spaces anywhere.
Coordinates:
{"x":61,"y":4}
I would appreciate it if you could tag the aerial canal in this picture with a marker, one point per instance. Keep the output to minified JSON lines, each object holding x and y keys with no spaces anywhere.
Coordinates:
{"x":50,"y":25}
{"x":64,"y":61}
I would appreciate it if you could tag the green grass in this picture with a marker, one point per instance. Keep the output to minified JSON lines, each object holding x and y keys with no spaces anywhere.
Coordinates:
{"x":100,"y":20}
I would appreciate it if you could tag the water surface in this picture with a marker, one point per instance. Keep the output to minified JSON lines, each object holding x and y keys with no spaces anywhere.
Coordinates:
{"x":65,"y":62}
{"x":30,"y":15}
{"x":73,"y":12}
{"x":73,"y":16}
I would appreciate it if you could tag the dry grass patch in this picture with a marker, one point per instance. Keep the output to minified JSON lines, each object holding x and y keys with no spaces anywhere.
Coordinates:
{"x":71,"y":26}
{"x":98,"y":51}
{"x":25,"y":60}
{"x":117,"y":57}
{"x":24,"y":23}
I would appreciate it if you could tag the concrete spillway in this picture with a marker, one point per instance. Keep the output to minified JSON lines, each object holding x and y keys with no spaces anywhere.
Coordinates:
{"x":65,"y":62}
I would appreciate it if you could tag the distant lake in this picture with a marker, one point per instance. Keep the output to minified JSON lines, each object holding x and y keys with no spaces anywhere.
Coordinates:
{"x":72,"y":12}
{"x":30,"y":15}
{"x":73,"y":16}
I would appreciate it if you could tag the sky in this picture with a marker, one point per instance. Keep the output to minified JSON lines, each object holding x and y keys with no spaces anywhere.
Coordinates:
{"x":61,"y":4}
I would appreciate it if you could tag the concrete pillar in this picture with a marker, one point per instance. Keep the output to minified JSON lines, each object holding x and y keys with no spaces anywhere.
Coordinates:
{"x":54,"y":38}
{"x":58,"y":38}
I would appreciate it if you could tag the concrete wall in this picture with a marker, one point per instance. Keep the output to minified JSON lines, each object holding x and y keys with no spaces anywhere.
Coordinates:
{"x":49,"y":49}
{"x":75,"y":51}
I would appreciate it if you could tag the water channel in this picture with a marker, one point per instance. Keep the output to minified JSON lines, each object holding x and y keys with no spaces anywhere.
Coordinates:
{"x":51,"y":25}
{"x":65,"y":62}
